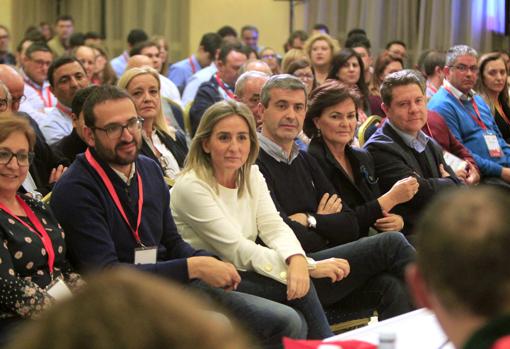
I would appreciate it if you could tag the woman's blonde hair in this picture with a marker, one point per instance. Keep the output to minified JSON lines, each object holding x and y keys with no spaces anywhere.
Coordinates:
{"x":160,"y":121}
{"x":333,"y":44}
{"x":200,"y":161}
{"x":291,"y":56}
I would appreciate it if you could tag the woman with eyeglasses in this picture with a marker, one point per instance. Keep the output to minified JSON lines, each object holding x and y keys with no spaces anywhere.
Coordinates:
{"x":161,"y":142}
{"x":303,"y":70}
{"x":269,"y":56}
{"x":34,"y":271}
{"x":331,"y":122}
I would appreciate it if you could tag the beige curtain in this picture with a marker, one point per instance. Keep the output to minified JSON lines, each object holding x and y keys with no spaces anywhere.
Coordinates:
{"x":168,"y":18}
{"x":422,"y":24}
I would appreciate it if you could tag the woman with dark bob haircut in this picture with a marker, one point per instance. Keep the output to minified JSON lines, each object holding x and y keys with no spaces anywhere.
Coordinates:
{"x":331,"y":123}
{"x":347,"y":67}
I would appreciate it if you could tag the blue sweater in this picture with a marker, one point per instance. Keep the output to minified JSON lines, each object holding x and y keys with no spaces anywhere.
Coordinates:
{"x":96,"y":234}
{"x":469,"y":133}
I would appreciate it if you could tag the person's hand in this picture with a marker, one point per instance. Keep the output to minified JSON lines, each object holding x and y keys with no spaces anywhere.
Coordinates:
{"x":56,"y":173}
{"x":505,"y":174}
{"x":443,"y":171}
{"x":301,"y":218}
{"x":473,"y":176}
{"x":462,"y":174}
{"x":298,"y":279}
{"x":329,"y":204}
{"x":390,"y":222}
{"x":213,"y":272}
{"x":402,"y":191}
{"x":334,"y":268}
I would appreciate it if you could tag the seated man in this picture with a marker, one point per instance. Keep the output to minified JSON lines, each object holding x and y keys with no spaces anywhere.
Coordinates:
{"x":308,"y":203}
{"x":38,"y":58}
{"x":221,"y":85}
{"x":114,"y":208}
{"x":247,"y":90}
{"x":134,"y":37}
{"x":73,"y":144}
{"x":181,"y":71}
{"x":400,"y":149}
{"x":469,"y":117}
{"x":461,"y":271}
{"x":66,"y":76}
{"x":433,"y":67}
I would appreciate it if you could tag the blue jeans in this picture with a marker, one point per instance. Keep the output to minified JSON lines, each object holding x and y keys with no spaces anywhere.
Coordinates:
{"x":267,"y":321}
{"x":376,"y":280}
{"x":309,"y":306}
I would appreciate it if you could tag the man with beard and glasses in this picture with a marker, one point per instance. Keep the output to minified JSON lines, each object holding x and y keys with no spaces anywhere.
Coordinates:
{"x":114,"y":207}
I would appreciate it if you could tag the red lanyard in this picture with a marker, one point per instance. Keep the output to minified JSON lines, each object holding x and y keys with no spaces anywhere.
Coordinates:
{"x":108,"y":184}
{"x":431,"y":87}
{"x":223,"y":87}
{"x":428,"y":129}
{"x":39,"y":229}
{"x":193,"y":68}
{"x":47,"y":103}
{"x":478,"y":118}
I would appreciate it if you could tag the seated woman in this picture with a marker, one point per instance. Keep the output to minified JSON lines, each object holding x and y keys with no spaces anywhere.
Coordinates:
{"x":347,"y":67}
{"x":331,"y":123}
{"x":385,"y":64}
{"x":32,"y":256}
{"x":269,"y":56}
{"x":161,"y":142}
{"x":493,"y":87}
{"x":220,"y":202}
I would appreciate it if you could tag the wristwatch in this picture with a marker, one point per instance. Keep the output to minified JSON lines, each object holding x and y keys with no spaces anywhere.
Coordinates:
{"x":310,"y":219}
{"x":312,"y":264}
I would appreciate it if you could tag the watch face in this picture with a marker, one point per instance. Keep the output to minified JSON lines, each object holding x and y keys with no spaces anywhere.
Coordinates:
{"x":312,"y":222}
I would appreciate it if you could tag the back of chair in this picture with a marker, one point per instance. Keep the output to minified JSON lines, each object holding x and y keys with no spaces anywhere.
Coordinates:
{"x":368,"y":128}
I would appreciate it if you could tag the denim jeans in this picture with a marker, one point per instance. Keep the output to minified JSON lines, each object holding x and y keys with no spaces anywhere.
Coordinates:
{"x":376,"y":280}
{"x":266,"y":320}
{"x":309,"y":306}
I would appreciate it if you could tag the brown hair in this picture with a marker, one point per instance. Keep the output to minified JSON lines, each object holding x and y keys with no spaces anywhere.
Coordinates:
{"x":10,"y":123}
{"x":124,"y":308}
{"x":382,"y":61}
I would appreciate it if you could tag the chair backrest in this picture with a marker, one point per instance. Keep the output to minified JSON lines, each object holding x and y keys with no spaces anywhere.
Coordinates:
{"x":368,"y":128}
{"x":187,"y":122}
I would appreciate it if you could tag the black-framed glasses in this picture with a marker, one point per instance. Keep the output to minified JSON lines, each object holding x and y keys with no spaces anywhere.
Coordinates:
{"x":4,"y":103}
{"x":19,"y":99}
{"x":114,"y":131}
{"x":24,"y":158}
{"x":464,"y":68}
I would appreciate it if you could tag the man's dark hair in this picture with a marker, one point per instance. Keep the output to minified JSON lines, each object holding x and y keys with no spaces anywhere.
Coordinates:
{"x":400,"y":78}
{"x":60,"y":61}
{"x":227,"y":30}
{"x":135,"y":36}
{"x":358,"y":40}
{"x":100,"y":95}
{"x":321,"y":26}
{"x":77,"y":39}
{"x":432,"y":60}
{"x":250,"y":28}
{"x":301,"y":34}
{"x":227,"y":47}
{"x":64,"y":18}
{"x":137,"y":49}
{"x":80,"y":97}
{"x":36,"y":47}
{"x":211,"y":42}
{"x":93,"y":35}
{"x":395,"y":42}
{"x":356,"y":31}
{"x":463,"y":239}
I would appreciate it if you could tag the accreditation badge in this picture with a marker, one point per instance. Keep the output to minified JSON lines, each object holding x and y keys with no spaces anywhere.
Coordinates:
{"x":493,"y":145}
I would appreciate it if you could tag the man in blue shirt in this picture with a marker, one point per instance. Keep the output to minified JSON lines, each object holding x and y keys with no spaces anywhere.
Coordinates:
{"x":181,"y":71}
{"x":119,"y":63}
{"x":469,"y":117}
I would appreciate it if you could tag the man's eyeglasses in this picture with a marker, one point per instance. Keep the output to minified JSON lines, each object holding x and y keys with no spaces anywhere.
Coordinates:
{"x":41,"y":63}
{"x":114,"y":131}
{"x":24,"y":158}
{"x":19,"y":99}
{"x":464,"y":68}
{"x":4,"y":103}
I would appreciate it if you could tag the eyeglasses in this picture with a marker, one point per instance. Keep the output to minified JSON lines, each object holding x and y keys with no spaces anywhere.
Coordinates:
{"x":464,"y":68}
{"x":4,"y":103}
{"x":304,"y":76}
{"x":114,"y":131}
{"x":41,"y":62}
{"x":24,"y":159}
{"x":19,"y":99}
{"x":269,"y":56}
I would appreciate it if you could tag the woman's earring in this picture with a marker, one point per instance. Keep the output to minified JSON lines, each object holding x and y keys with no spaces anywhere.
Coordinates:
{"x":319,"y":132}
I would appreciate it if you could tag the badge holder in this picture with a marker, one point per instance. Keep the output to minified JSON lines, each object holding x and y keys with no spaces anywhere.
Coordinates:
{"x":58,"y":289}
{"x":146,"y":255}
{"x":493,"y":145}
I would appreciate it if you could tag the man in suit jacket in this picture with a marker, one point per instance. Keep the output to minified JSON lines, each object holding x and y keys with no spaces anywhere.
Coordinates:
{"x":400,"y":149}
